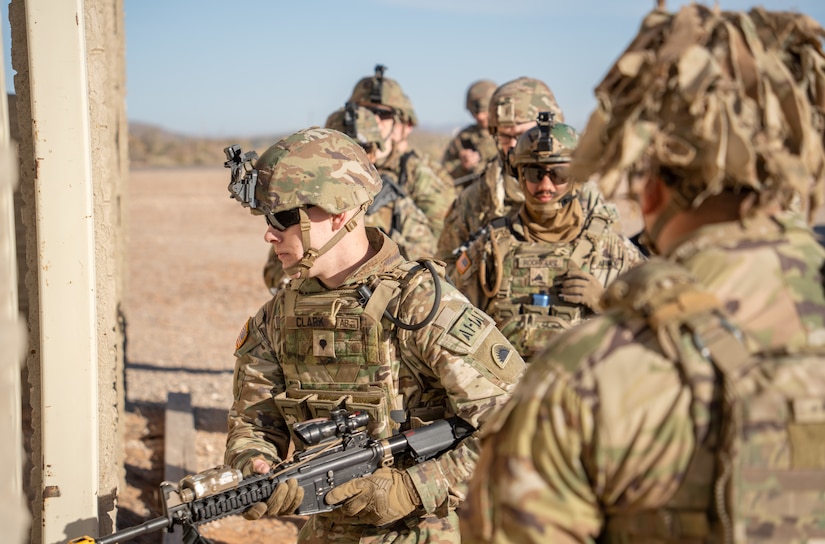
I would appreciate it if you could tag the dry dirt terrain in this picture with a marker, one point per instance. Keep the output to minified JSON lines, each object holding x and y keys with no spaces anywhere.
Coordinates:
{"x":194,"y":276}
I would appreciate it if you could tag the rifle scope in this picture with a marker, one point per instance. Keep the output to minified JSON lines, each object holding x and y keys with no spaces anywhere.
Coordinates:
{"x":340,"y":423}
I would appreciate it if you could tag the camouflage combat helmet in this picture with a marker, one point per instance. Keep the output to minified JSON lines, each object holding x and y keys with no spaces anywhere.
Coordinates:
{"x":478,"y":96}
{"x":315,"y":167}
{"x":408,"y":114}
{"x":380,"y":91}
{"x":714,"y":100}
{"x":319,"y":167}
{"x":546,"y":143}
{"x":358,"y":123}
{"x":520,"y":101}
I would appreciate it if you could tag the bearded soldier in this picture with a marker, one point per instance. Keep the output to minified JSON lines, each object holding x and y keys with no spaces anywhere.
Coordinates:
{"x":494,"y":192}
{"x":358,"y":327}
{"x":691,"y":410}
{"x":543,"y":268}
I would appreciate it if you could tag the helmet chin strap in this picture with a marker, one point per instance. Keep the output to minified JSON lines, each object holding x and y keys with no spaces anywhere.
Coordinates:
{"x":301,"y":269}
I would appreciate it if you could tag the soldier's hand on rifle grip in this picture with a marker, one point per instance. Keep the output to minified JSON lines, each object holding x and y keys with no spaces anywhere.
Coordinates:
{"x":285,"y":500}
{"x":384,"y":496}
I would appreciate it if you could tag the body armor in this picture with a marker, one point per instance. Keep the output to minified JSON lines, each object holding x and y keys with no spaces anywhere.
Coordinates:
{"x":518,"y":279}
{"x":338,"y":350}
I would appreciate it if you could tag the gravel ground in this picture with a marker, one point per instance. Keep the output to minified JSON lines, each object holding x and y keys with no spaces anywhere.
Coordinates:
{"x":194,"y":276}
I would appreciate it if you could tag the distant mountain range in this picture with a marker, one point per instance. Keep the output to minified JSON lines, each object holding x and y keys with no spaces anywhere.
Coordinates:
{"x":153,"y":146}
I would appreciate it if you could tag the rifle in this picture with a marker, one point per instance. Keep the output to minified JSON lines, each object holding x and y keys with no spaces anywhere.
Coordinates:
{"x":338,"y":451}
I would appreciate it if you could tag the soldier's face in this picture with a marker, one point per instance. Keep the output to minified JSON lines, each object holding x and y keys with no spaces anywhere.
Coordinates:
{"x":287,"y":243}
{"x":545,"y":181}
{"x":481,"y":118}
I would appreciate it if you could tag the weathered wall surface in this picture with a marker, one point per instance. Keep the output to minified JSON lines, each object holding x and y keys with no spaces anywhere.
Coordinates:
{"x":105,"y":60}
{"x":105,"y":41}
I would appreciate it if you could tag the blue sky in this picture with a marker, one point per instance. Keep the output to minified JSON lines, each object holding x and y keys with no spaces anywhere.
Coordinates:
{"x":258,"y":67}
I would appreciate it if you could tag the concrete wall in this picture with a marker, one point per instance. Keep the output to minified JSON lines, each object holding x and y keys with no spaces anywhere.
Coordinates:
{"x":108,"y":141}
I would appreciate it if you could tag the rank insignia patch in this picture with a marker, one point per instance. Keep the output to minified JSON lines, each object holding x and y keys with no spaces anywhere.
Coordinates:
{"x":323,"y":343}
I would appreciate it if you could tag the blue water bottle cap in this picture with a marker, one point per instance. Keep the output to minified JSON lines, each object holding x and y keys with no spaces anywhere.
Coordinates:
{"x":541,"y":299}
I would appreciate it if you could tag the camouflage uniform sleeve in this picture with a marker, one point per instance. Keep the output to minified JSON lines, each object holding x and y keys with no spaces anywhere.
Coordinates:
{"x":451,"y":161}
{"x":456,"y":230}
{"x":256,"y":428}
{"x":476,"y":366}
{"x":572,"y":444}
{"x":467,"y":281}
{"x":431,"y":193}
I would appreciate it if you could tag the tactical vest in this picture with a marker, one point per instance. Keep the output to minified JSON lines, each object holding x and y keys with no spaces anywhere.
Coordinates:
{"x":527,"y":308}
{"x":758,"y":472}
{"x":338,"y":352}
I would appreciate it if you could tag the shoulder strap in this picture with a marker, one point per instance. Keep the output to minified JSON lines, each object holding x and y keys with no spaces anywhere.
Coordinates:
{"x":389,"y":193}
{"x":596,"y":226}
{"x":402,"y":170}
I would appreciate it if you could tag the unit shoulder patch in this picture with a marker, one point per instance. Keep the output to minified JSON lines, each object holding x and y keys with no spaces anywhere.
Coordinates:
{"x":243,"y":335}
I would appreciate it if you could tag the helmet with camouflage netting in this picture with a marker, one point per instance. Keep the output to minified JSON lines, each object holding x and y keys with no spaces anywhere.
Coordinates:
{"x":520,"y":101}
{"x":714,"y":101}
{"x":319,"y":167}
{"x":478,"y":95}
{"x":546,"y":143}
{"x":358,"y":123}
{"x":378,"y":90}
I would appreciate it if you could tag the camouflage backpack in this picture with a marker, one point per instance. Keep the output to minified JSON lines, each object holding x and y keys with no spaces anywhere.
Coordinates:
{"x":758,"y":473}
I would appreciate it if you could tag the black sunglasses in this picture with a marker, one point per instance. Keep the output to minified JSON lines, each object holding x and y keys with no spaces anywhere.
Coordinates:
{"x":282,"y":220}
{"x":382,"y":113}
{"x":534,"y":173}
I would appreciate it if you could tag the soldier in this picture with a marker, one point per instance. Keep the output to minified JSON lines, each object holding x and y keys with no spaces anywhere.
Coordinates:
{"x":691,"y":410}
{"x":386,"y":336}
{"x":494,"y":192}
{"x":393,"y":110}
{"x":392,"y":210}
{"x":544,"y":266}
{"x":473,"y":146}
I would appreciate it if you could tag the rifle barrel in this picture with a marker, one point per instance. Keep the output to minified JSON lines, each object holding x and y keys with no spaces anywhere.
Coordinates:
{"x":128,"y":534}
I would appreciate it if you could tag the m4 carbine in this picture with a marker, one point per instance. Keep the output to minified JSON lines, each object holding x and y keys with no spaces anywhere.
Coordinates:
{"x":338,"y":450}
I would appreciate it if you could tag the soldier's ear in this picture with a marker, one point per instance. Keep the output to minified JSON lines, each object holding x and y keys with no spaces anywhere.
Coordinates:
{"x":654,"y":195}
{"x":338,"y":220}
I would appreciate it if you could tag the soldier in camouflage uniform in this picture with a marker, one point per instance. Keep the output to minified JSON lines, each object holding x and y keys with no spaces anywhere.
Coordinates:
{"x":392,"y":210}
{"x":543,"y":267}
{"x":473,"y":146}
{"x":693,"y":408}
{"x":415,"y":173}
{"x":494,"y":193}
{"x":360,"y":328}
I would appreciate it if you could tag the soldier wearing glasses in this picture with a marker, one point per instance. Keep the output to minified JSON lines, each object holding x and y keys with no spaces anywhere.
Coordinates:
{"x":415,"y":173}
{"x":362,"y":328}
{"x":543,"y":267}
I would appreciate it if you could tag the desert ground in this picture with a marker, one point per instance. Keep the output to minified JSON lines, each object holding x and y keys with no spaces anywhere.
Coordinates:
{"x":194,"y":276}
